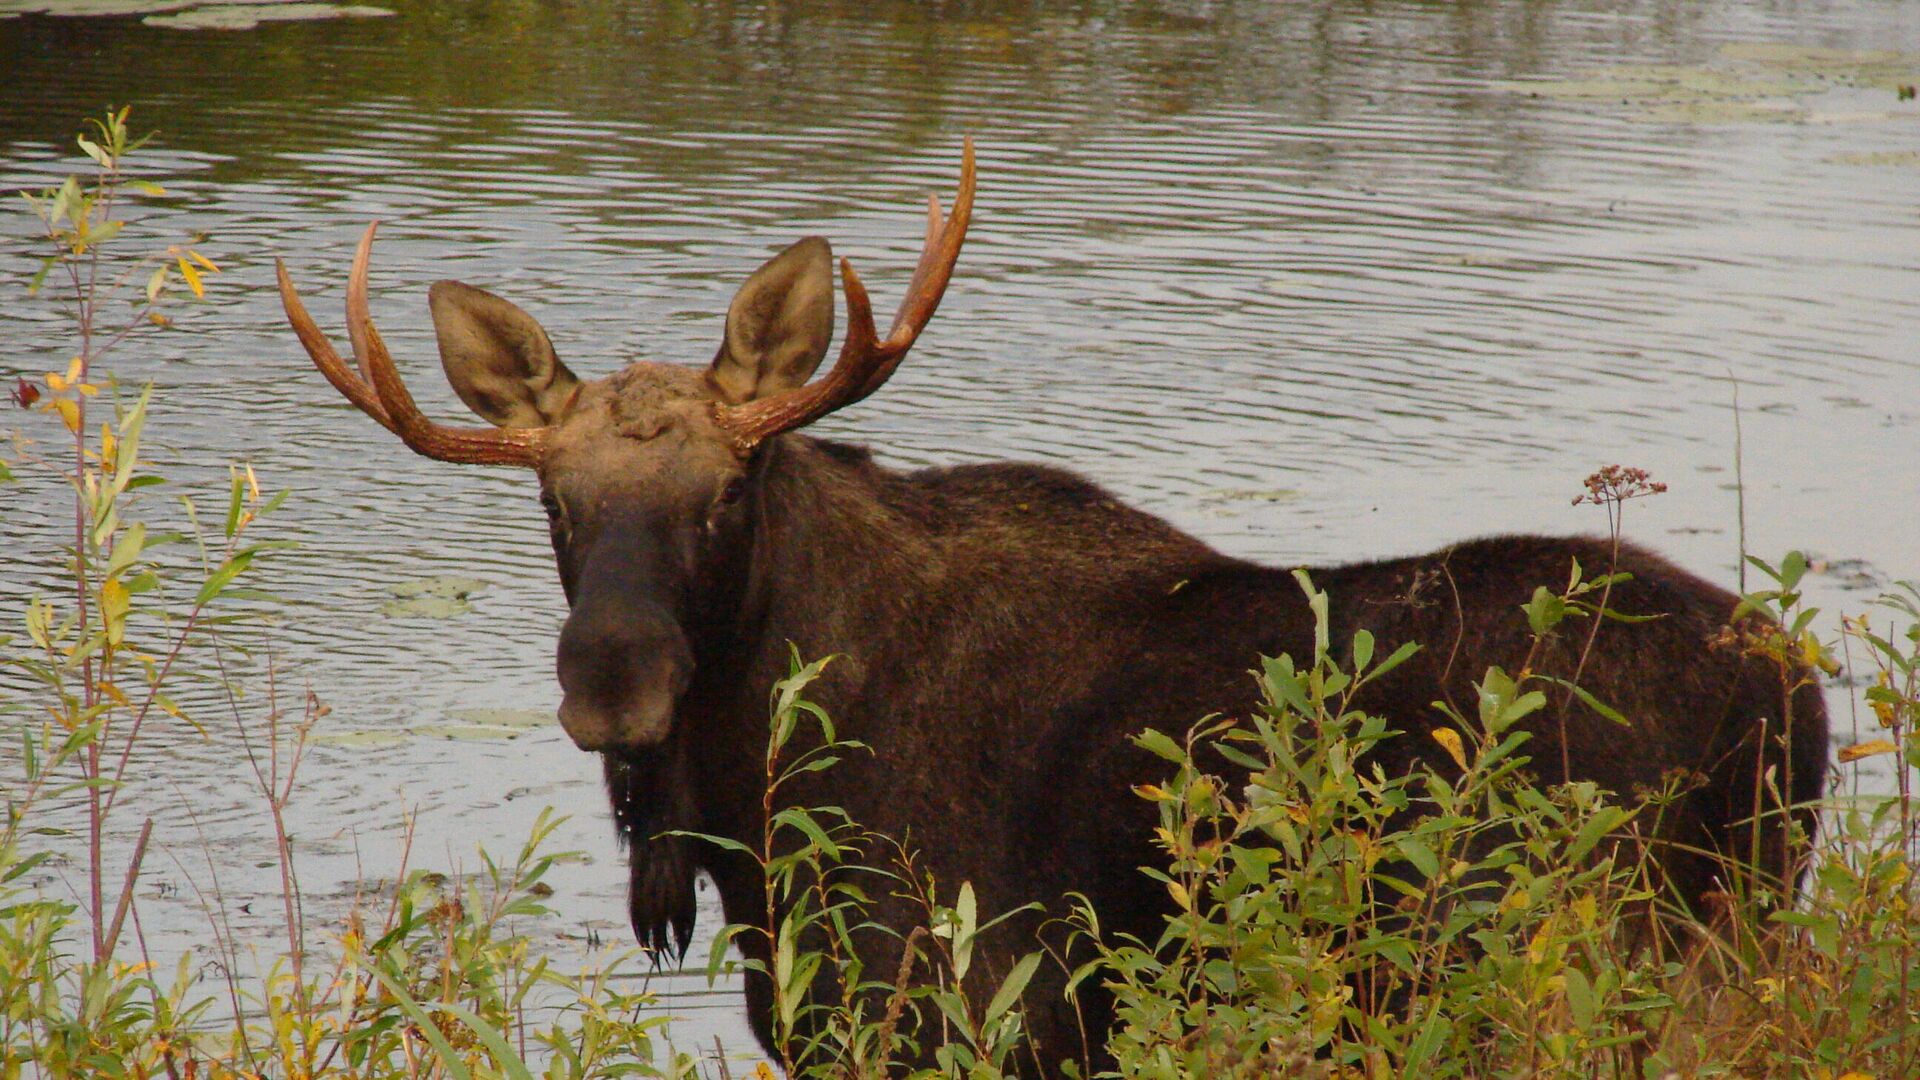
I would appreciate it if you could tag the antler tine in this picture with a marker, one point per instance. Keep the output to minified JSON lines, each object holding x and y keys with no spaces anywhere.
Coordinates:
{"x":377,"y":388}
{"x":468,"y":445}
{"x":941,"y":251}
{"x":343,"y":378}
{"x":865,"y":363}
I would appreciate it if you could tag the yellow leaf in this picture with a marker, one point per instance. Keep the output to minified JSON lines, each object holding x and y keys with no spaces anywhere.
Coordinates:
{"x":1449,"y":740}
{"x":1586,"y":909}
{"x":107,"y":442}
{"x":1856,"y":1076}
{"x":1179,"y":894}
{"x":87,"y":388}
{"x":203,"y":261}
{"x":193,"y":278}
{"x":158,"y":319}
{"x":1867,"y":749}
{"x":1541,"y":941}
{"x":75,"y":368}
{"x":69,"y":411}
{"x":764,"y":1071}
{"x":253,"y":484}
{"x":114,"y":603}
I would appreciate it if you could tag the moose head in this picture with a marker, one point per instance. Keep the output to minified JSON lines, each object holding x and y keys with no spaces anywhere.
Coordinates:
{"x":648,"y":476}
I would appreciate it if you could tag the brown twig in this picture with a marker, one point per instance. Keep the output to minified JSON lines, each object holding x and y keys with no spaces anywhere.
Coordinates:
{"x":126,"y":891}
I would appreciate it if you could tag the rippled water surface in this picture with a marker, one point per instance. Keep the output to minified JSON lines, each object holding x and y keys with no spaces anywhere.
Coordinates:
{"x":1315,"y":281}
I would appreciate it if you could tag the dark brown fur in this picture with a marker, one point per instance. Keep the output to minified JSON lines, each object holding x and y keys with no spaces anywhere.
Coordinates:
{"x":1004,"y":629}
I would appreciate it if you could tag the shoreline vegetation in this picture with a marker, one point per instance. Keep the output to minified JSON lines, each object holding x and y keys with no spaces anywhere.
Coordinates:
{"x":1327,"y":921}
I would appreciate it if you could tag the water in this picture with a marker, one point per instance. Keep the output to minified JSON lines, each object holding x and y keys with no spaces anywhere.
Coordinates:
{"x":1314,"y":281}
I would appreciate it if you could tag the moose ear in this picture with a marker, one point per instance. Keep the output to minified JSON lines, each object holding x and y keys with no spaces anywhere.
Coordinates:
{"x":778,"y":325}
{"x":497,"y":358}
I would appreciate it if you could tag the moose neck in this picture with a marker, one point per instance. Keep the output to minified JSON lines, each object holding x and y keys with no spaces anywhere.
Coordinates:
{"x":836,"y":559}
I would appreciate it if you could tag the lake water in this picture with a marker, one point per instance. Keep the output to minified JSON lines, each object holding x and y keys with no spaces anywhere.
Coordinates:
{"x":1316,"y":281}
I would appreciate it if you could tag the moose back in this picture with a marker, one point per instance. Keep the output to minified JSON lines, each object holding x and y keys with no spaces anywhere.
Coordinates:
{"x":1002,"y":629}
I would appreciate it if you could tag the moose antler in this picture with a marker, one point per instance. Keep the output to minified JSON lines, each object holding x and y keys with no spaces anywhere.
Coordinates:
{"x":376,"y":388}
{"x":865,"y":362}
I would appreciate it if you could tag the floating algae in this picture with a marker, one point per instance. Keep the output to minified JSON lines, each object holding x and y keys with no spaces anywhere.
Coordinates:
{"x":1746,"y":82}
{"x":1877,"y":157}
{"x":438,"y":597}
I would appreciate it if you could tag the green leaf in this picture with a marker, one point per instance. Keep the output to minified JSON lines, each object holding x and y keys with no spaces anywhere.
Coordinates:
{"x":222,"y":576}
{"x":1592,"y":702}
{"x":1580,"y":998}
{"x":1160,"y":745}
{"x":235,"y":488}
{"x":127,"y":548}
{"x":1316,"y":600}
{"x":1399,"y":657}
{"x":1011,"y":989}
{"x":1545,"y":611}
{"x":722,"y":842}
{"x":1362,"y":649}
{"x":40,"y":276}
{"x":1419,"y":854}
{"x":717,"y":954}
{"x":966,"y":917}
{"x":797,"y":818}
{"x":1604,"y":821}
{"x":1792,"y":569}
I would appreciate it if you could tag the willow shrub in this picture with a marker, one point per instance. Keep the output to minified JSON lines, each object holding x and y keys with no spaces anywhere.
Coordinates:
{"x":1334,"y":921}
{"x":431,"y":980}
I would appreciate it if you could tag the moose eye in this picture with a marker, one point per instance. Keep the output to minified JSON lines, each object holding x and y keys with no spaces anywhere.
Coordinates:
{"x":735,"y":488}
{"x":551,"y":504}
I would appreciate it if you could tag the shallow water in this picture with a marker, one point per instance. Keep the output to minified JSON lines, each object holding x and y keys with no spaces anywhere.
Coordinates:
{"x":1317,"y":282}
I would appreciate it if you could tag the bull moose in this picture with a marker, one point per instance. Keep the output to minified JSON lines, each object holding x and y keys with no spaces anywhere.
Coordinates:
{"x":1003,"y":628}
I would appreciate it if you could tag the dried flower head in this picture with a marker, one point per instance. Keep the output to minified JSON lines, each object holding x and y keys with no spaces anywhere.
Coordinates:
{"x":1618,"y":483}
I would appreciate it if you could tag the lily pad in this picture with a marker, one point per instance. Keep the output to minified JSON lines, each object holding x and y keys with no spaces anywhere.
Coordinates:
{"x":448,"y":586}
{"x":467,"y":731}
{"x":363,"y":737}
{"x":248,"y":16}
{"x":511,"y":718}
{"x":1725,"y":112}
{"x":438,"y":597}
{"x":430,"y":607}
{"x":1233,"y":495}
{"x":193,"y":14}
{"x":86,"y":8}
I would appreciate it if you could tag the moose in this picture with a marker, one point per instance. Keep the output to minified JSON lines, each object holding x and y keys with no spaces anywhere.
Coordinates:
{"x":1002,"y":630}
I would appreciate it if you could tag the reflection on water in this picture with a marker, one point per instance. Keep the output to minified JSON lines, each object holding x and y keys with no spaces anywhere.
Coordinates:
{"x":1316,"y":281}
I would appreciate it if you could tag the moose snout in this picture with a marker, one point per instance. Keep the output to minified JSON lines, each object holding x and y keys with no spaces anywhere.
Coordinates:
{"x":620,"y":680}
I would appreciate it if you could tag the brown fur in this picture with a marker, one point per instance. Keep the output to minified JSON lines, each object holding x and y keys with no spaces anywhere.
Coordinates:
{"x":1002,"y":631}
